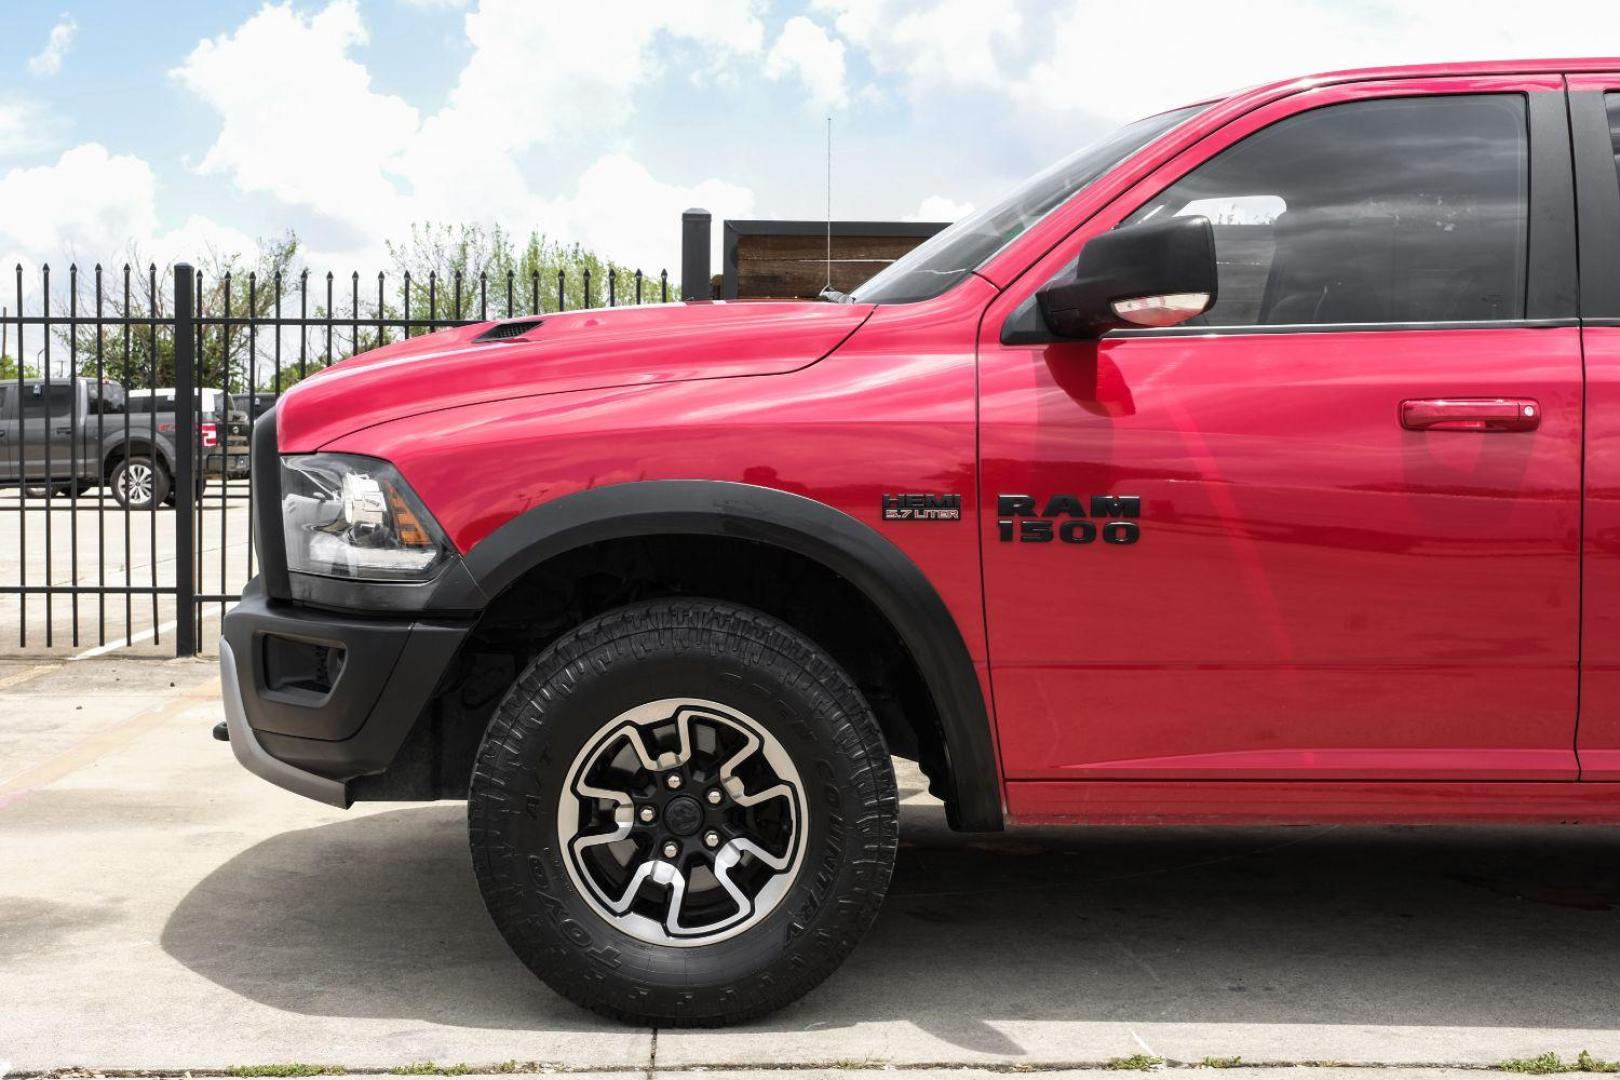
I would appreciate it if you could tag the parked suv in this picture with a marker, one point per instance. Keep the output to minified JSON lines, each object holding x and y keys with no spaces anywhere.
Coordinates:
{"x":77,"y":434}
{"x":1252,"y":465}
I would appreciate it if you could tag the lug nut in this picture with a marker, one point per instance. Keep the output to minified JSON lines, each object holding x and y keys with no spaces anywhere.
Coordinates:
{"x":711,"y":839}
{"x":714,"y":796}
{"x":647,"y":813}
{"x":671,"y":849}
{"x":673,"y":780}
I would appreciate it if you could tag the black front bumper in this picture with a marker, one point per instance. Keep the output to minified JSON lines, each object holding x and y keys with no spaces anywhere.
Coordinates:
{"x":311,"y":727}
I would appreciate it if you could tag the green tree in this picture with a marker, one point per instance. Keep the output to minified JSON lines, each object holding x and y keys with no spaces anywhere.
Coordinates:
{"x":233,"y":284}
{"x":440,"y":273}
{"x":472,"y":271}
{"x":8,"y":370}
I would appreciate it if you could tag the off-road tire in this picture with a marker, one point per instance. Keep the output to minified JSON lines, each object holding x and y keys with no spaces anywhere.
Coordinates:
{"x":744,"y":660}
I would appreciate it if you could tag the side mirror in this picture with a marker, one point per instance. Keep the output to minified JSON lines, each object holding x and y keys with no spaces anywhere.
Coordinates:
{"x":1159,"y":273}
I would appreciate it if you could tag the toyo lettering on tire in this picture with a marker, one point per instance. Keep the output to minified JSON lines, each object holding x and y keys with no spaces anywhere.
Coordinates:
{"x":683,"y":812}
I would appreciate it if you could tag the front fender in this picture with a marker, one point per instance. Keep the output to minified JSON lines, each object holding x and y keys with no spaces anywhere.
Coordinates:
{"x":847,"y":547}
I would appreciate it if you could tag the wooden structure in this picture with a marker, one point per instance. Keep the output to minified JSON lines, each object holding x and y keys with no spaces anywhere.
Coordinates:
{"x":789,"y":259}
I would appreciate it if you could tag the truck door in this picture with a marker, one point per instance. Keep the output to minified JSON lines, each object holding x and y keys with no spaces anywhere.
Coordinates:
{"x":1594,"y":102}
{"x":1332,"y":530}
{"x":8,"y":433}
{"x":47,"y":430}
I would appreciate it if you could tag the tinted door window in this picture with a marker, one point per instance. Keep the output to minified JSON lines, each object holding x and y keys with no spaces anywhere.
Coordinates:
{"x":57,"y":397}
{"x":107,"y":399}
{"x":1391,"y":211}
{"x":1613,"y":103}
{"x":149,"y":403}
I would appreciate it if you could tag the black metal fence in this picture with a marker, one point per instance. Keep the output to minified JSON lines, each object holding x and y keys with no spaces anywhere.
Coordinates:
{"x":82,"y":569}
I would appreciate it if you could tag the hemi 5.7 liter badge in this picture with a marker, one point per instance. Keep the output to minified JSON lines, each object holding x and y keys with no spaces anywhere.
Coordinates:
{"x":922,"y":508}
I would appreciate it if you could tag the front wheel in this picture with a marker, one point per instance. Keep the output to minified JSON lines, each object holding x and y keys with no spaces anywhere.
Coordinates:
{"x":683,"y":812}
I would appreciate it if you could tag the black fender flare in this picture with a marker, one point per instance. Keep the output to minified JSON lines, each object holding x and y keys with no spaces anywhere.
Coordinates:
{"x":847,"y":547}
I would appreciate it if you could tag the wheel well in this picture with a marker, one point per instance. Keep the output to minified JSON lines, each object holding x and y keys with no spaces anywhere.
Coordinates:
{"x":126,"y":449}
{"x":564,"y":591}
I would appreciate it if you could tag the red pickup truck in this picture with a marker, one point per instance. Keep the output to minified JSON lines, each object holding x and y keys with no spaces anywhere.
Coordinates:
{"x":1257,"y":463}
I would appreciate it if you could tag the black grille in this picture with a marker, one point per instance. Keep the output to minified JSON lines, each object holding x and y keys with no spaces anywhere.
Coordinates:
{"x":507,"y":330}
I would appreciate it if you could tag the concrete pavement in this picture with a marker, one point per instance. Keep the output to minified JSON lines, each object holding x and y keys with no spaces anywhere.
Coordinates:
{"x":160,"y":909}
{"x":98,"y":545}
{"x":854,"y":1071}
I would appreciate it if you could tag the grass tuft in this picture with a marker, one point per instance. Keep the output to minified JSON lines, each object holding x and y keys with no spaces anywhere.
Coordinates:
{"x":290,"y":1068}
{"x":1221,"y":1062}
{"x":1540,"y":1065}
{"x":433,"y":1068}
{"x":1135,"y":1063}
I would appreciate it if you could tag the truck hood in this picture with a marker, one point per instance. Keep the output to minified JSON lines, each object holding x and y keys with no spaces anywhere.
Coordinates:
{"x":577,"y":350}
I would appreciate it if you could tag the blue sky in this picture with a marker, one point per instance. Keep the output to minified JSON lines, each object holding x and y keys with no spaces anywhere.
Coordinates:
{"x":179,"y":127}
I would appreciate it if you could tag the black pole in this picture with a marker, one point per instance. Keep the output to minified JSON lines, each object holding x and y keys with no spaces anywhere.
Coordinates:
{"x":185,"y":461}
{"x":695,"y":229}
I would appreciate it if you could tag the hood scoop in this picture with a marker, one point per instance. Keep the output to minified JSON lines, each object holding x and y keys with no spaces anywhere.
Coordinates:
{"x":507,"y":331}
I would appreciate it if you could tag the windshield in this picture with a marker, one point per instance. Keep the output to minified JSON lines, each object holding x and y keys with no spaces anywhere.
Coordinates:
{"x":949,"y":256}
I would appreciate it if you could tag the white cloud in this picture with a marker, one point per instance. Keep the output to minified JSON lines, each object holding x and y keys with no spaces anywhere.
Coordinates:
{"x":92,"y":206}
{"x":22,"y":127}
{"x":312,"y":133}
{"x":947,"y":43}
{"x":806,"y":51}
{"x":368,"y":164}
{"x":89,"y":201}
{"x":732,"y":25}
{"x":541,"y":73}
{"x":1280,"y":39}
{"x":622,"y":210}
{"x":48,"y":61}
{"x":939,"y":208}
{"x":1072,"y":59}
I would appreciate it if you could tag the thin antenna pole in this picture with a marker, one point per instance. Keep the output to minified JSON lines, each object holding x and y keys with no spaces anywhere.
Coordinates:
{"x":829,"y":202}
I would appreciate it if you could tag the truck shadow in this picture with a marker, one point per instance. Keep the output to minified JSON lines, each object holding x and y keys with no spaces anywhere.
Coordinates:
{"x":378,"y":916}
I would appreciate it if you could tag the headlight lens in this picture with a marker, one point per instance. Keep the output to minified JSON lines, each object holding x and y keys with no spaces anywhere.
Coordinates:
{"x":353,"y":517}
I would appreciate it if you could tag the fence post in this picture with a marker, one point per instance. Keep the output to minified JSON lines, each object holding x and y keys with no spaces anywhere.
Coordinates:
{"x":185,"y":460}
{"x":695,"y":238}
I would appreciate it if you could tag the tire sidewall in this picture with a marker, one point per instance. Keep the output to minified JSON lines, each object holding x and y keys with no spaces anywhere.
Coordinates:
{"x":514,"y":801}
{"x":160,"y":483}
